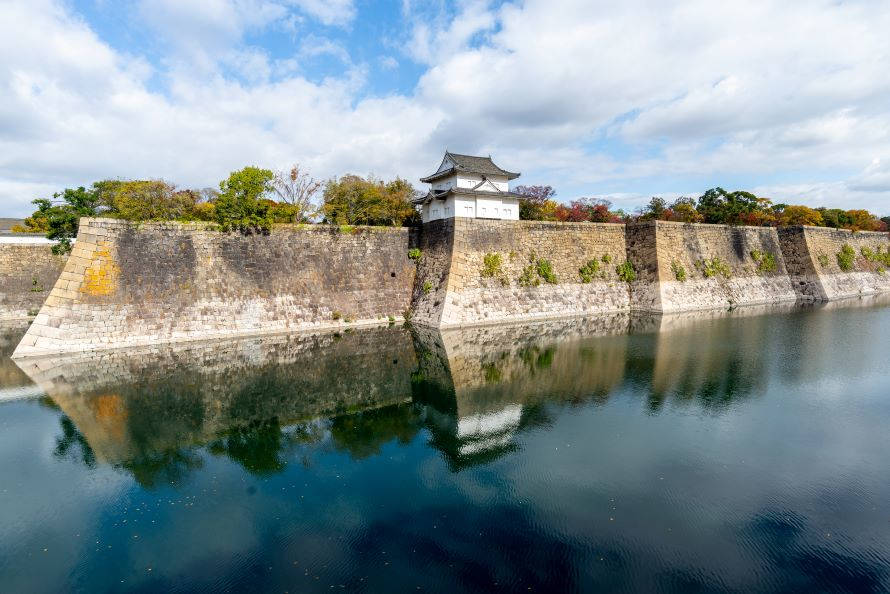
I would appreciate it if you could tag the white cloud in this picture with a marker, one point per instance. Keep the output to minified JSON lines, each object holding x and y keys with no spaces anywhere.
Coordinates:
{"x":592,"y":97}
{"x":329,"y":12}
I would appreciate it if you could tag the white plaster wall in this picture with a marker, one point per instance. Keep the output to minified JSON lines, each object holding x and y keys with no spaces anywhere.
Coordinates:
{"x":465,"y":207}
{"x":469,"y":181}
{"x":445,"y":183}
{"x":497,"y":208}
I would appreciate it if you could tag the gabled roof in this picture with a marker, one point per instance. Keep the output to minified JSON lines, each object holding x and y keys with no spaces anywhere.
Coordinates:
{"x":443,"y":194}
{"x":468,"y":164}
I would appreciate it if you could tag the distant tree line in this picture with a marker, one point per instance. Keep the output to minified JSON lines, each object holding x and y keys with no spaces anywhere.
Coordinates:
{"x":252,"y":199}
{"x":249,"y":200}
{"x":714,"y":206}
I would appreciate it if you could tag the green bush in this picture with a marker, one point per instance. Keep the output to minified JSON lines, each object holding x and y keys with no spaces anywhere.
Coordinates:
{"x":415,"y":254}
{"x":679,"y":271}
{"x":607,"y":259}
{"x":492,"y":268}
{"x":590,"y":271}
{"x":537,"y":270}
{"x":846,"y":258}
{"x":529,"y":278}
{"x":427,"y":287}
{"x":880,"y":258}
{"x":766,"y":261}
{"x":823,"y":260}
{"x":626,"y":271}
{"x":545,"y":271}
{"x":714,"y":267}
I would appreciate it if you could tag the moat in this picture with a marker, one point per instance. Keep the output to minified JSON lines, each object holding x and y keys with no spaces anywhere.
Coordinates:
{"x":715,"y":451}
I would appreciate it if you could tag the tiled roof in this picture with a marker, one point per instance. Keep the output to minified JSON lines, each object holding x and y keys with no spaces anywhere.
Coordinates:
{"x":469,"y":164}
{"x":443,"y":194}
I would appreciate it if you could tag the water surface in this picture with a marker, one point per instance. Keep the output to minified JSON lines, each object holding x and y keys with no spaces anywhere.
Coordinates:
{"x":740,"y":451}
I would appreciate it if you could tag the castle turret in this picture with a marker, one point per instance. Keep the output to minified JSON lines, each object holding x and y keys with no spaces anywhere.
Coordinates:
{"x":468,"y":186}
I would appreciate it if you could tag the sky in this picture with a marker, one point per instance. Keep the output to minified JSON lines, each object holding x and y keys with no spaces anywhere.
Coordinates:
{"x":618,"y":100}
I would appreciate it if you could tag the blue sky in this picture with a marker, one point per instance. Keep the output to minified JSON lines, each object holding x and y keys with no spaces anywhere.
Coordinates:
{"x":617,"y":100}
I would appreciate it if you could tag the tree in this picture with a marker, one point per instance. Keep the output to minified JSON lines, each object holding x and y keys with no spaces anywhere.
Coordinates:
{"x":354,"y":200}
{"x":656,"y":209}
{"x":296,"y":189}
{"x":591,"y":210}
{"x":536,"y":203}
{"x":147,"y":200}
{"x":731,"y":208}
{"x":61,"y":215}
{"x":241,"y":203}
{"x":683,"y":209}
{"x":800,"y":215}
{"x":862,"y":220}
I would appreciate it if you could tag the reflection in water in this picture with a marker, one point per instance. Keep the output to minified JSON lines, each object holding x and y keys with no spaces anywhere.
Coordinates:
{"x":14,"y":383}
{"x":258,"y":401}
{"x":143,"y":410}
{"x":735,"y":450}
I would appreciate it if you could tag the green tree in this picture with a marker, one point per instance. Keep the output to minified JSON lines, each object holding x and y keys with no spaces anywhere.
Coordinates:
{"x":61,"y":215}
{"x":731,"y":208}
{"x":148,"y":200}
{"x":656,"y":209}
{"x":354,"y":200}
{"x":241,"y":203}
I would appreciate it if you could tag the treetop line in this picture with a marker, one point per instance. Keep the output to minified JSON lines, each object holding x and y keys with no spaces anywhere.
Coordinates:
{"x":252,"y":199}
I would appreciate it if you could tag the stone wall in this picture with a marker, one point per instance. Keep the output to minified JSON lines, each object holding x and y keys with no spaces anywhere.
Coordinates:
{"x":712,"y":266}
{"x":128,"y":285}
{"x":816,"y":272}
{"x":454,"y":291}
{"x":28,"y":272}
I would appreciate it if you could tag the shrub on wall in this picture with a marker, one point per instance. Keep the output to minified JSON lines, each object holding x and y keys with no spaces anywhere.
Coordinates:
{"x":678,"y":270}
{"x":766,"y":261}
{"x":545,"y":271}
{"x":415,"y":254}
{"x":492,"y":268}
{"x":626,"y":271}
{"x":590,"y":271}
{"x":846,"y":258}
{"x":823,"y":260}
{"x":713,"y":267}
{"x":538,"y":269}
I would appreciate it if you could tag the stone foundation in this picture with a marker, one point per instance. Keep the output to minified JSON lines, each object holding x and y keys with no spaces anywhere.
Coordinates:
{"x":131,"y":285}
{"x":28,"y":272}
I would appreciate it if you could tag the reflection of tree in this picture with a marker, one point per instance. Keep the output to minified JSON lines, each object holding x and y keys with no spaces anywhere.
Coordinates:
{"x":152,"y":469}
{"x":363,"y":434}
{"x":255,"y":445}
{"x":72,"y":444}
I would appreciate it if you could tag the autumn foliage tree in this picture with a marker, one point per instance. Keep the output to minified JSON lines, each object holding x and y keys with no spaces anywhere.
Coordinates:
{"x":536,"y":203}
{"x":354,"y":200}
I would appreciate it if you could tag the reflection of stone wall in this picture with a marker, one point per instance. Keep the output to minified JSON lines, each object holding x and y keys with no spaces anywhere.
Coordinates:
{"x":127,"y":285}
{"x":816,"y":272}
{"x":11,"y":376}
{"x":129,"y":402}
{"x":27,"y":274}
{"x":478,"y":382}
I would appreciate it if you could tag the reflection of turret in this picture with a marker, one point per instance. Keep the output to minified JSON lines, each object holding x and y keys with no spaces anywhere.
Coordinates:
{"x":141,"y":408}
{"x":484,"y":383}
